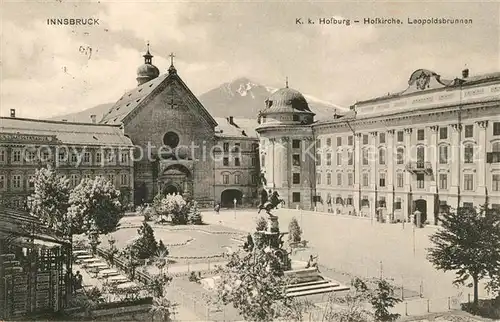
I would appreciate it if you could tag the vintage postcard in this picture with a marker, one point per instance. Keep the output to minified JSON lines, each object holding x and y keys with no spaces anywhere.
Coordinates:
{"x":250,"y":160}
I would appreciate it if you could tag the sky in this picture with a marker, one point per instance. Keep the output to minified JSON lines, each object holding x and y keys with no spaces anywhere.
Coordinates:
{"x":48,"y":70}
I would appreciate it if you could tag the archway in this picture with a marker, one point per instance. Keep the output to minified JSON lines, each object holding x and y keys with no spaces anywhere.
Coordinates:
{"x":227,"y":197}
{"x":421,"y":205}
{"x":174,"y":179}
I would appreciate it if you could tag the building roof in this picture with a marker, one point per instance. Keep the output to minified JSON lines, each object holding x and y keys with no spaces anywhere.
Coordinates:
{"x":435,"y":82}
{"x":240,"y":127}
{"x":286,"y":100}
{"x":67,"y":132}
{"x":134,"y":98}
{"x":130,"y":100}
{"x":17,"y":225}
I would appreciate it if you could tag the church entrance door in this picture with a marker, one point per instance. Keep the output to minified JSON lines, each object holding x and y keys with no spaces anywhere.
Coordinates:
{"x":176,"y":179}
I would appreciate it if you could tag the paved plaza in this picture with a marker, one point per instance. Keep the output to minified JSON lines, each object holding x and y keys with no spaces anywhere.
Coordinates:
{"x":346,"y":246}
{"x":361,"y":246}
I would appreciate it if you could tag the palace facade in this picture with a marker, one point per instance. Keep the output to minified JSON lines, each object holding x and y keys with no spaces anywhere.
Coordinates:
{"x":75,"y":150}
{"x":435,"y":144}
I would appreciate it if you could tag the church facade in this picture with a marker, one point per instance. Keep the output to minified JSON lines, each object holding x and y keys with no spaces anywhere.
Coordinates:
{"x":179,"y":147}
{"x":433,"y":145}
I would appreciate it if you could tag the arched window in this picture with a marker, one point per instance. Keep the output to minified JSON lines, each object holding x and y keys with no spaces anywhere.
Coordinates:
{"x":400,"y":157}
{"x":469,"y":153}
{"x":420,"y":154}
{"x":496,"y":147}
{"x":365,"y":156}
{"x":381,"y":156}
{"x":443,"y":154}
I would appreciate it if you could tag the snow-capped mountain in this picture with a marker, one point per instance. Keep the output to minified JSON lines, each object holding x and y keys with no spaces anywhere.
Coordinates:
{"x":245,"y":98}
{"x":240,"y":98}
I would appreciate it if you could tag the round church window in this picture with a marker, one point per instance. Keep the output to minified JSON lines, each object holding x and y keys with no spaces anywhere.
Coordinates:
{"x":171,"y":139}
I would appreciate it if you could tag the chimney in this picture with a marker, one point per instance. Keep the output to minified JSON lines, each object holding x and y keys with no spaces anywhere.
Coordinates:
{"x":231,"y":120}
{"x":93,"y":117}
{"x":12,"y":112}
{"x":465,"y":73}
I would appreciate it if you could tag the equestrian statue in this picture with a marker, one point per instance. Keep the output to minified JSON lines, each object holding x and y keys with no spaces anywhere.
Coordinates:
{"x":269,"y":201}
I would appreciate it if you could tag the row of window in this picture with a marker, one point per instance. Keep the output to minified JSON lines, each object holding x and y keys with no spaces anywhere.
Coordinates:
{"x":237,"y":147}
{"x":444,"y":155}
{"x":18,"y":156}
{"x":443,"y":135}
{"x":468,"y":183}
{"x":237,"y":162}
{"x":237,"y":179}
{"x":74,"y":180}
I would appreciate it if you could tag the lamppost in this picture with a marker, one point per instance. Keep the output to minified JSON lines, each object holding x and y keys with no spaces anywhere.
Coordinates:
{"x":234,"y":201}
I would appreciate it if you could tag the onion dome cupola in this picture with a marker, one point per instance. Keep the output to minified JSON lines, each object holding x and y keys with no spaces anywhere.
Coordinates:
{"x":286,"y":106}
{"x":147,"y":71}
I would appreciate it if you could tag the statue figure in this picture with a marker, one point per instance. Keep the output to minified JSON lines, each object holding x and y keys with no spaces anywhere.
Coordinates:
{"x":272,"y":203}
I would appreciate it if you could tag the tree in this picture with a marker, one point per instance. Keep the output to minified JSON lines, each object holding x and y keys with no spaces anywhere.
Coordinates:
{"x":132,"y":262}
{"x":161,"y":256}
{"x":194,"y":214}
{"x":163,"y":307}
{"x":469,"y":243}
{"x":382,"y":300}
{"x":50,"y":200}
{"x":351,"y":306}
{"x":145,"y":245}
{"x":255,"y":289}
{"x":158,"y":283}
{"x":95,"y":201}
{"x":294,"y":231}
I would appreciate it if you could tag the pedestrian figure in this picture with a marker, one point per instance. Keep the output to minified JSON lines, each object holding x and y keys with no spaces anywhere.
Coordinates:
{"x":78,"y":281}
{"x":217,"y":208}
{"x":312,"y":262}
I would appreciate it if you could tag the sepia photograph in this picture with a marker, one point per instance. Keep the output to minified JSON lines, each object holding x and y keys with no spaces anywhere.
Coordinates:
{"x":228,"y":160}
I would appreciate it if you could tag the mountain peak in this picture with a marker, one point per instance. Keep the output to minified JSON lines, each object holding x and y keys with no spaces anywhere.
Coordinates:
{"x":242,"y":98}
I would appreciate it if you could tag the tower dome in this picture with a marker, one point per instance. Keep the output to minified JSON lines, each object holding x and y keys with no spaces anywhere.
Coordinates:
{"x":287,"y":99}
{"x":147,"y":71}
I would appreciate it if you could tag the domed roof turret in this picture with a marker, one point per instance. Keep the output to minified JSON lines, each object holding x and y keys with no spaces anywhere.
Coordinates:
{"x":147,"y":71}
{"x":287,"y":98}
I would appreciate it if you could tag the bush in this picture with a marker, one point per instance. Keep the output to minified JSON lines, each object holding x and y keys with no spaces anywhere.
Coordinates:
{"x":194,"y":215}
{"x":195,"y":277}
{"x":485,"y":308}
{"x":261,"y":224}
{"x":175,"y":206}
{"x":162,"y":249}
{"x":148,"y":212}
{"x":145,"y":245}
{"x":294,"y":231}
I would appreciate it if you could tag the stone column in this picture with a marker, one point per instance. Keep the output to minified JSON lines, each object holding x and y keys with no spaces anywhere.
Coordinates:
{"x":408,"y":176}
{"x":481,"y":161}
{"x":269,"y":157}
{"x":455,"y":164}
{"x":358,"y":175}
{"x":433,"y":157}
{"x":373,"y":161}
{"x":408,"y":158}
{"x":284,"y":162}
{"x":390,"y":172}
